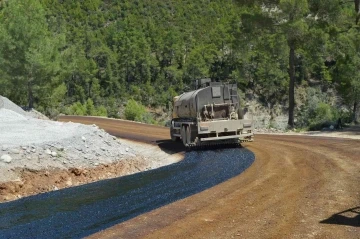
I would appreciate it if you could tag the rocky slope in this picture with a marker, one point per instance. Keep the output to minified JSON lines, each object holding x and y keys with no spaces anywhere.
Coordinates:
{"x":39,"y":155}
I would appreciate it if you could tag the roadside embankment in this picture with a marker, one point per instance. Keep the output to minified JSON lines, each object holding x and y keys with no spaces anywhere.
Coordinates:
{"x":40,"y":155}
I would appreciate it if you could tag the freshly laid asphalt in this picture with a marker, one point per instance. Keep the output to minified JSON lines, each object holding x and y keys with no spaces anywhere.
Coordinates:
{"x":83,"y":210}
{"x":298,"y":187}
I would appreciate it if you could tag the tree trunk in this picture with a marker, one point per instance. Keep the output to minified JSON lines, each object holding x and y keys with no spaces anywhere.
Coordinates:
{"x":291,"y":85}
{"x":357,"y":10}
{"x":355,"y":116}
{"x":30,"y":94}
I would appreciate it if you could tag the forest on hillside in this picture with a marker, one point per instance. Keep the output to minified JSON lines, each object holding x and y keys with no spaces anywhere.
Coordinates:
{"x":91,"y":57}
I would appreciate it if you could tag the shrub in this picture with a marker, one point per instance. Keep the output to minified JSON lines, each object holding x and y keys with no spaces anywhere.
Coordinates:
{"x":112,"y":107}
{"x":53,"y":113}
{"x":316,"y":114}
{"x":147,"y":118}
{"x":321,"y":115}
{"x":87,"y":109}
{"x":76,"y":109}
{"x":134,"y":111}
{"x":90,"y":108}
{"x":101,"y":111}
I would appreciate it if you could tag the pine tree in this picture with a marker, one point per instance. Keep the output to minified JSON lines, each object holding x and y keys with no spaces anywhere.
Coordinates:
{"x":28,"y":53}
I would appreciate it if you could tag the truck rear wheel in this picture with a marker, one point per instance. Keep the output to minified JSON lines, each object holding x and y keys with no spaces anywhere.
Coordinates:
{"x":173,"y":138}
{"x":184,"y":135}
{"x":188,"y":135}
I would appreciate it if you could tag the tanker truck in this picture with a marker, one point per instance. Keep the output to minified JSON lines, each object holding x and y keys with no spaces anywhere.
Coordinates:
{"x":211,"y":114}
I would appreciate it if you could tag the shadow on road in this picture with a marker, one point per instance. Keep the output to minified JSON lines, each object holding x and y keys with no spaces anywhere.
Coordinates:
{"x":350,"y":217}
{"x":171,"y":147}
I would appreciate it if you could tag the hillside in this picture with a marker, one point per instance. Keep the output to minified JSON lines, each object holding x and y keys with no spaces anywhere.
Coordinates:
{"x":91,"y":57}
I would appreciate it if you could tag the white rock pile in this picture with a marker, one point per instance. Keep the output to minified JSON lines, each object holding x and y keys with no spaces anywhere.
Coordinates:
{"x":35,"y":144}
{"x":5,"y":103}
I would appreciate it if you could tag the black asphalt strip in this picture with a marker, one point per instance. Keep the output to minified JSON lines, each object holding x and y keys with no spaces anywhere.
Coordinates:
{"x":81,"y":211}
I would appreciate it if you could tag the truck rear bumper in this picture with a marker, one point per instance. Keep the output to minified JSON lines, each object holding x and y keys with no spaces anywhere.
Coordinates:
{"x":223,"y":126}
{"x":239,"y":137}
{"x":225,"y":130}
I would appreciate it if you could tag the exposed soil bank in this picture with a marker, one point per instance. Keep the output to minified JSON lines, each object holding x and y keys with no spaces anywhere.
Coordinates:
{"x":39,"y":155}
{"x":31,"y":182}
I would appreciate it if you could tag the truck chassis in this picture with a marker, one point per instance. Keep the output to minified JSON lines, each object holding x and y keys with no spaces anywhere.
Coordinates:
{"x":194,"y":133}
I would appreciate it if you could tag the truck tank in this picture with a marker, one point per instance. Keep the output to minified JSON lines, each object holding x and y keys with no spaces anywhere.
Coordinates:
{"x":218,"y":101}
{"x":211,"y":112}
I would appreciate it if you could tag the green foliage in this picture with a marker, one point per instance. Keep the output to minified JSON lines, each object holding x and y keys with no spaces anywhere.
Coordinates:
{"x":101,"y":111}
{"x":112,"y":107}
{"x":346,"y":71}
{"x":86,"y":109}
{"x":90,"y":108}
{"x":99,"y":54}
{"x":76,"y":109}
{"x":134,"y":110}
{"x":137,"y":112}
{"x":322,"y":115}
{"x":317,"y":113}
{"x":147,"y":118}
{"x":29,"y":53}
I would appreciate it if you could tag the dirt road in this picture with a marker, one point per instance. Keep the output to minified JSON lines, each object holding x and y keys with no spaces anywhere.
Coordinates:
{"x":298,"y":187}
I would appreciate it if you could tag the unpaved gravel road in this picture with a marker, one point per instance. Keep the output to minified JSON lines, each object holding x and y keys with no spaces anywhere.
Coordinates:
{"x":298,"y":187}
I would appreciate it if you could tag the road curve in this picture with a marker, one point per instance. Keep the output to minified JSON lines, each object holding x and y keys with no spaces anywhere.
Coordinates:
{"x":83,"y":210}
{"x":123,"y":128}
{"x":298,"y":187}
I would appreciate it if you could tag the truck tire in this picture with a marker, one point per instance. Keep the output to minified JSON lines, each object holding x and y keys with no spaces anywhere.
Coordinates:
{"x":184,"y":135}
{"x":173,"y":138}
{"x":188,"y":135}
